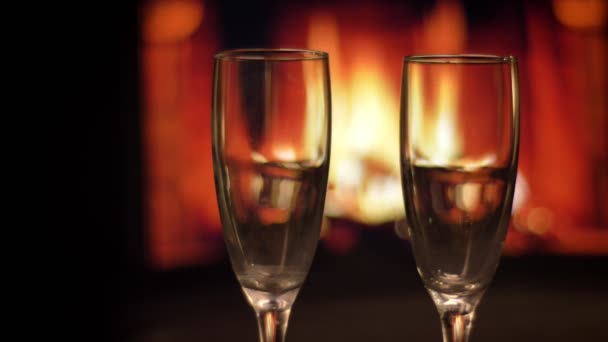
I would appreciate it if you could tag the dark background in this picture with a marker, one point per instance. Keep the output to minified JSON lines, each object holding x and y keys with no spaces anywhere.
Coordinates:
{"x":372,"y":295}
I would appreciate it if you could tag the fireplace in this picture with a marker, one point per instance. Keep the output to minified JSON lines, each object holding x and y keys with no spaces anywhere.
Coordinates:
{"x":561,"y":200}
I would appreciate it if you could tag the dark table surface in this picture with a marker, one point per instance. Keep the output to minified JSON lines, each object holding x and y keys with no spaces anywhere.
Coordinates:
{"x":373,"y":294}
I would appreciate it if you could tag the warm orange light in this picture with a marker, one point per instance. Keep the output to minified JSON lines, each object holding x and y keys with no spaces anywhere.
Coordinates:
{"x":540,"y":221}
{"x":285,"y":153}
{"x":182,"y":214}
{"x":555,"y":81}
{"x":445,"y":28}
{"x":581,"y":14}
{"x":365,"y":135}
{"x":433,"y":123}
{"x":171,"y":20}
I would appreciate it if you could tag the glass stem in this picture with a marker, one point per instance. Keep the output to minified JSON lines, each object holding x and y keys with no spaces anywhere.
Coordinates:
{"x":272,"y":324}
{"x":457,"y":313}
{"x":456,"y":326}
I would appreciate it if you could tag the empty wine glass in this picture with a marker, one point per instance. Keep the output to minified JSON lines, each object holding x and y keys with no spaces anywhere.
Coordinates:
{"x":271,"y":144}
{"x":459,"y":152}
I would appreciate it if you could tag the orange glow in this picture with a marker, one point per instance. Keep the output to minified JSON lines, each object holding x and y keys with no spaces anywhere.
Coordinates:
{"x":560,"y":203}
{"x":364,"y":175}
{"x":365,"y":110}
{"x":285,"y":153}
{"x":585,"y":241}
{"x":182,"y":214}
{"x":436,"y":140}
{"x":445,"y":30}
{"x":171,"y":20}
{"x":540,"y":221}
{"x":270,"y":216}
{"x":365,"y":93}
{"x":581,"y":14}
{"x":560,"y":166}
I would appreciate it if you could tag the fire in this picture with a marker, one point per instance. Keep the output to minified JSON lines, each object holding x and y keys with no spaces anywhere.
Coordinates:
{"x":365,"y":44}
{"x":315,"y":128}
{"x":436,"y":140}
{"x":444,"y":29}
{"x":364,"y":175}
{"x":372,"y":109}
{"x":364,"y":172}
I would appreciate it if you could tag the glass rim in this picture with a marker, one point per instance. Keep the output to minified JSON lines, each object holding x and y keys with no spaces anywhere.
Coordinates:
{"x":271,"y":54}
{"x":460,"y":59}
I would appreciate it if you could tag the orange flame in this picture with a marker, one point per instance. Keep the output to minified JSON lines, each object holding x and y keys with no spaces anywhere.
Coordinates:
{"x":365,"y":120}
{"x":365,"y":172}
{"x":435,"y":139}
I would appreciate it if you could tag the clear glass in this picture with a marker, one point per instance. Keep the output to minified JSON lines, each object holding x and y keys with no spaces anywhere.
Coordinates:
{"x":459,"y":152}
{"x":271,"y":151}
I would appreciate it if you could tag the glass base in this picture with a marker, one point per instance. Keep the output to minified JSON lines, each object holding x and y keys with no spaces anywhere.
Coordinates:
{"x":456,"y":303}
{"x":267,"y":301}
{"x":272,"y":312}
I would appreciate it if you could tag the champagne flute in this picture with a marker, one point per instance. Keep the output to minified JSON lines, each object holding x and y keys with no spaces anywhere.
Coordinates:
{"x":459,"y":153}
{"x":271,"y":150}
